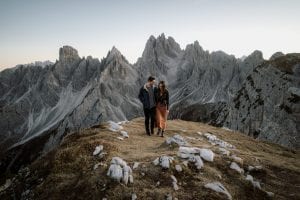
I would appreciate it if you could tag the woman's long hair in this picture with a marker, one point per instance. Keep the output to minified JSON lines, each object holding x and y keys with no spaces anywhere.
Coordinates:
{"x":163,"y":88}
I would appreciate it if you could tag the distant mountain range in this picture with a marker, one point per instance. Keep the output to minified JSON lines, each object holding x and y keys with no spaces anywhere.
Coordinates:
{"x":40,"y":104}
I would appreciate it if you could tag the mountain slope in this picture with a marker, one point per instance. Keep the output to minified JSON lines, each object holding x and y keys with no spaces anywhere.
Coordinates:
{"x":69,"y":171}
{"x":268,"y":104}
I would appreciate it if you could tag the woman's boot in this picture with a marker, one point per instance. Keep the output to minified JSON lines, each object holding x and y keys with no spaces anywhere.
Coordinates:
{"x":158,"y":131}
{"x":162,"y":133}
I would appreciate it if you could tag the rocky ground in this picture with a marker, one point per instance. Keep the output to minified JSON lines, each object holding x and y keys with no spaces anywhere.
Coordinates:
{"x":205,"y":162}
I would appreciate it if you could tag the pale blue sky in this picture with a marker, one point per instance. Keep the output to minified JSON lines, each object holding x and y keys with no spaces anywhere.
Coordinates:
{"x":32,"y":30}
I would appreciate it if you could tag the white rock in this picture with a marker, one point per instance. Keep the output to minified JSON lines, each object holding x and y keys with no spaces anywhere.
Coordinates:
{"x":197,"y":160}
{"x":236,"y":167}
{"x":156,"y":161}
{"x":7,"y":184}
{"x":237,"y":159}
{"x":173,"y":178}
{"x":250,"y":168}
{"x":120,"y":138}
{"x":270,"y":194}
{"x":175,"y":186}
{"x":169,"y":196}
{"x":135,"y":165}
{"x":165,"y":161}
{"x":185,"y":163}
{"x":114,"y":126}
{"x":126,"y":173}
{"x":189,"y":150}
{"x":190,"y":138}
{"x":98,"y":149}
{"x":130,"y":179}
{"x":183,"y":155}
{"x":207,"y":155}
{"x":224,"y":151}
{"x":178,"y":168}
{"x":133,"y":196}
{"x":118,"y":161}
{"x":115,"y":172}
{"x":200,"y":133}
{"x":96,"y":166}
{"x":124,"y":134}
{"x":177,"y":139}
{"x":255,"y":184}
{"x":218,"y":187}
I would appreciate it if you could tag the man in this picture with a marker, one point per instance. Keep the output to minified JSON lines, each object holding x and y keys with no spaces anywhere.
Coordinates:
{"x":147,"y":97}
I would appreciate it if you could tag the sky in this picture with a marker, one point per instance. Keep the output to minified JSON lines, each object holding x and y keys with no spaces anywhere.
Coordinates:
{"x":34,"y":30}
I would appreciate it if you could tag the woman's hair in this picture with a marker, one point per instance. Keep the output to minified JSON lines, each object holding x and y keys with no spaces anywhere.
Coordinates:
{"x":163,"y":85}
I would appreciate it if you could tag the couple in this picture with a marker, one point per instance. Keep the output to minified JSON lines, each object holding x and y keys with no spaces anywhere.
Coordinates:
{"x":156,"y":105}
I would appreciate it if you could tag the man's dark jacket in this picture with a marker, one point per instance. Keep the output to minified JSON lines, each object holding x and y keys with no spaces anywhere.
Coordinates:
{"x":144,"y":96}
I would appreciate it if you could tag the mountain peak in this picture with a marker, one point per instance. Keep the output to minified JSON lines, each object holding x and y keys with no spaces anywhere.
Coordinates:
{"x":115,"y":54}
{"x":276,"y":55}
{"x":68,"y":54}
{"x":162,"y":46}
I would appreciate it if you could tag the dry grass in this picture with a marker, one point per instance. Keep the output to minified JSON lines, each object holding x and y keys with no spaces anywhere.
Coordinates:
{"x":68,"y":171}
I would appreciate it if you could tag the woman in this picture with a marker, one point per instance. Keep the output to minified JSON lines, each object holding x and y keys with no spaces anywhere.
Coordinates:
{"x":162,"y":107}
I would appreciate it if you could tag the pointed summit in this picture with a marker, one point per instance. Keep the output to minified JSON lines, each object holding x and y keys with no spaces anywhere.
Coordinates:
{"x":161,"y":46}
{"x":114,"y":54}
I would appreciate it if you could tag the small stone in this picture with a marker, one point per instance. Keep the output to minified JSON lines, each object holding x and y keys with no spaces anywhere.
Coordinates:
{"x":178,"y":168}
{"x":133,"y":196}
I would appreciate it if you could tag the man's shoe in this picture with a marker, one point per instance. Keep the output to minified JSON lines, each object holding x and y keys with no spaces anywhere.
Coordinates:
{"x":152,"y":131}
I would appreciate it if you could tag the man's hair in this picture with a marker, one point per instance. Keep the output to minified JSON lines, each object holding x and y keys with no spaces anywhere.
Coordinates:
{"x":151,"y":78}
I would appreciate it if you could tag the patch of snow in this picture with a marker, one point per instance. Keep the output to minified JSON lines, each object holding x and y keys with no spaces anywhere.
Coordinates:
{"x":236,"y":167}
{"x":218,"y":187}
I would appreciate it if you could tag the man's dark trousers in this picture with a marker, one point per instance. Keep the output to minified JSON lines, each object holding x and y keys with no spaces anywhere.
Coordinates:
{"x":149,"y":116}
